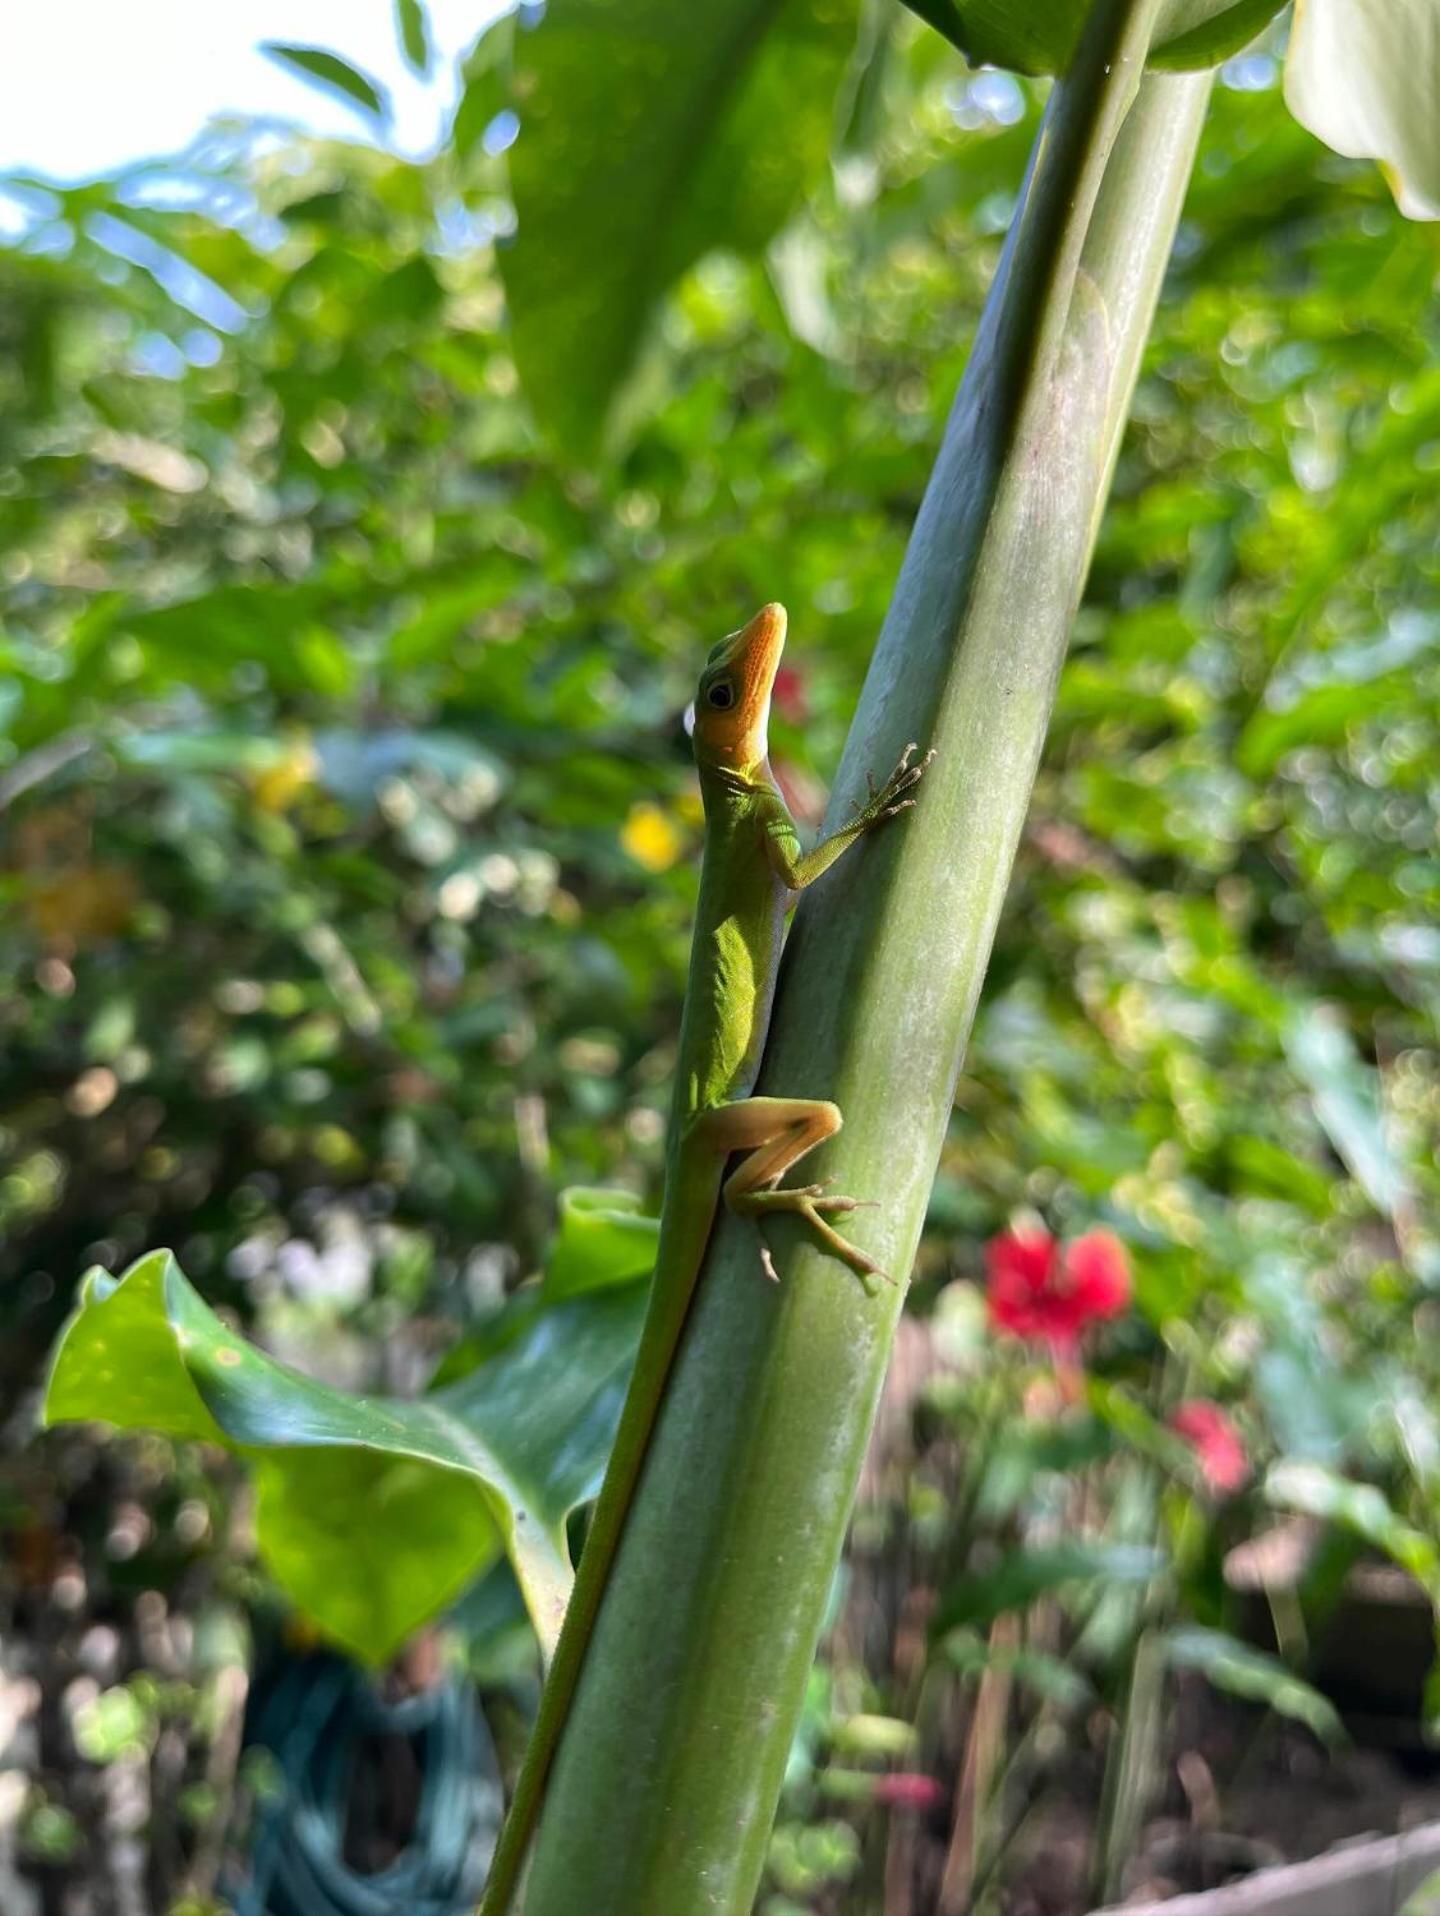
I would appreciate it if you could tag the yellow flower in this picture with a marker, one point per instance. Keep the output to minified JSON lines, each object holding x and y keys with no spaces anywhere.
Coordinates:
{"x":651,"y":837}
{"x":281,"y":783}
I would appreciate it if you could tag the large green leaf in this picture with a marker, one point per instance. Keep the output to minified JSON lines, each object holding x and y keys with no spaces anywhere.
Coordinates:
{"x":1361,"y":75}
{"x":1040,"y":36}
{"x":371,"y":1513}
{"x":650,"y":134}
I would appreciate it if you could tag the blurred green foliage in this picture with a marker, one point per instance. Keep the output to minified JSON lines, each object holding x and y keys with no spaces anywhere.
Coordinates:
{"x":348,"y":830}
{"x":342,"y":729}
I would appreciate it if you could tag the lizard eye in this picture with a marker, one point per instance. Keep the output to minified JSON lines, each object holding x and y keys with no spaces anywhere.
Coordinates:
{"x":721,"y":695}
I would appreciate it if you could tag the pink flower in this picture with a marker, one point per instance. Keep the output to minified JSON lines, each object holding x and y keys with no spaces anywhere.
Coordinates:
{"x":1049,"y":1293}
{"x":1218,"y":1446}
{"x":905,"y":1790}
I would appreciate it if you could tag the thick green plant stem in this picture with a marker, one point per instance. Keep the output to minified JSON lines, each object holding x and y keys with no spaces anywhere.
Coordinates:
{"x":666,"y":1783}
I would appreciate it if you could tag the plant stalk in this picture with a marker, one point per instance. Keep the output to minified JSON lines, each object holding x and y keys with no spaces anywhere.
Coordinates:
{"x":666,"y":1783}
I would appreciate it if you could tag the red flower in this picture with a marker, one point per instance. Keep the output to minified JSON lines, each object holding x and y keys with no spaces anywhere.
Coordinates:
{"x":904,"y":1790}
{"x":1218,"y":1446}
{"x":1048,"y":1292}
{"x":788,"y":692}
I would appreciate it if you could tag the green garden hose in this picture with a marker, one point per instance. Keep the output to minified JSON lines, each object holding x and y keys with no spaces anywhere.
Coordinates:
{"x":316,"y":1715}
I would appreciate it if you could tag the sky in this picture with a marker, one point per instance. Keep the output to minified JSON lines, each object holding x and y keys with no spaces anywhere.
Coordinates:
{"x":87,"y":85}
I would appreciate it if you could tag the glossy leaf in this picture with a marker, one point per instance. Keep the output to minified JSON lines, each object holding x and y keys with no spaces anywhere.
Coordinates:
{"x":1039,"y":36}
{"x":422,"y":1494}
{"x":603,"y":1239}
{"x":1196,"y":33}
{"x":686,"y":134}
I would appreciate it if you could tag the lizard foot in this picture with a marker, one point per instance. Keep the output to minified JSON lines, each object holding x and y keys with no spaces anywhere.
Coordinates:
{"x":813,"y":1206}
{"x":889,"y":799}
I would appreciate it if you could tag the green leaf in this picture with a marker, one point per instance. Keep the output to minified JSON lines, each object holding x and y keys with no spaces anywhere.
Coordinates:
{"x":1035,"y":36}
{"x":946,"y":18}
{"x":333,"y":74}
{"x":1197,"y":33}
{"x":486,"y":84}
{"x":372,"y":1514}
{"x":367,"y":1544}
{"x":444,"y":610}
{"x":1360,"y":75}
{"x":1246,"y":1672}
{"x":1023,"y":1575}
{"x":414,"y":31}
{"x":1361,"y":1508}
{"x":1040,"y":36}
{"x":648,"y":137}
{"x":119,"y":1346}
{"x":202,"y":639}
{"x":242,"y":753}
{"x":1330,"y":695}
{"x":1264,"y":1165}
{"x":602,"y":1240}
{"x":1048,"y":1677}
{"x":1346,"y":1096}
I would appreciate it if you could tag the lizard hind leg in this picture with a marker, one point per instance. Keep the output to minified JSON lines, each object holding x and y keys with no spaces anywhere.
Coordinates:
{"x":774,"y":1134}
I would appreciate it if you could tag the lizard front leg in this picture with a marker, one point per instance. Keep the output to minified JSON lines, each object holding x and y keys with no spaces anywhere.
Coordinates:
{"x":796,"y":869}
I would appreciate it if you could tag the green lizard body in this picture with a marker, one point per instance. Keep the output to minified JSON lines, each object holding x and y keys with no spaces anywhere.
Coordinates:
{"x":753,"y":866}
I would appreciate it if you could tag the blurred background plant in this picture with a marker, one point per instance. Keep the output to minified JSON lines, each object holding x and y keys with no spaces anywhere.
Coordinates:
{"x":348,"y":863}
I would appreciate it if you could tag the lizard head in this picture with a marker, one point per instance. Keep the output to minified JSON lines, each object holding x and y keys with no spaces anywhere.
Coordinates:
{"x":732,"y":703}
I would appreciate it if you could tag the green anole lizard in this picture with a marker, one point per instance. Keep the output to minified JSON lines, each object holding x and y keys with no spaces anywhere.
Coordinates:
{"x":752,"y":867}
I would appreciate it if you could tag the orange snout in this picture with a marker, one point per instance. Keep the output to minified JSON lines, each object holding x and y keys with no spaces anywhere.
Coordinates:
{"x":751,"y":658}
